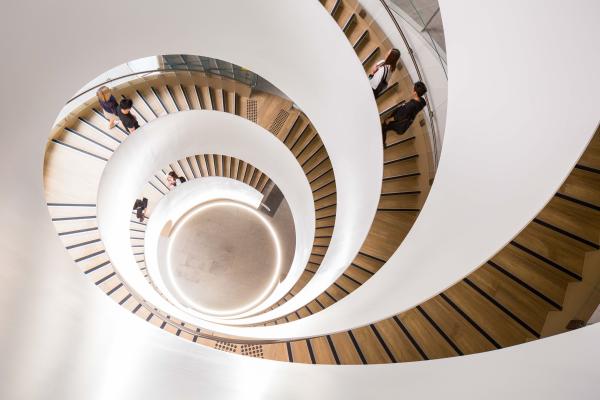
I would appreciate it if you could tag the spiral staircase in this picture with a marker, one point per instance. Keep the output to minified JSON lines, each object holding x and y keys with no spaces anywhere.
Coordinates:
{"x":412,"y":273}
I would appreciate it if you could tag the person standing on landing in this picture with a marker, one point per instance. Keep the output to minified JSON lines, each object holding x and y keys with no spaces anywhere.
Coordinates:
{"x":141,"y":208}
{"x":109,"y":105}
{"x":382,"y":71}
{"x":174,"y":180}
{"x":127,"y":118}
{"x":402,"y":118}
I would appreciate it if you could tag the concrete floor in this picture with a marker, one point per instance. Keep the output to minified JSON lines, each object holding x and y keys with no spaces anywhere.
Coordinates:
{"x":222,"y":258}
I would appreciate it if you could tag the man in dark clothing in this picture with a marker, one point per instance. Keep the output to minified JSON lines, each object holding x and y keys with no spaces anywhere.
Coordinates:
{"x":127,"y":118}
{"x":140,"y":207}
{"x":404,"y":115}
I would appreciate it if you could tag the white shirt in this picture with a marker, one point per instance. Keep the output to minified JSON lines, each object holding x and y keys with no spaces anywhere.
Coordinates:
{"x":379,"y":75}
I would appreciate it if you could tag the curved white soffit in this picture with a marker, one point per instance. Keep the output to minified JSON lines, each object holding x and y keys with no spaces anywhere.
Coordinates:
{"x":178,"y":202}
{"x":496,"y":172}
{"x":123,"y":358}
{"x":176,"y":136}
{"x":96,"y":350}
{"x":523,"y":105}
{"x":315,"y":67}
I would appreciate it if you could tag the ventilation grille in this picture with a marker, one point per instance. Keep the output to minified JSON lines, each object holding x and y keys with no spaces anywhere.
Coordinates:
{"x":252,"y":110}
{"x":224,"y":346}
{"x":278,"y":122}
{"x":252,"y":350}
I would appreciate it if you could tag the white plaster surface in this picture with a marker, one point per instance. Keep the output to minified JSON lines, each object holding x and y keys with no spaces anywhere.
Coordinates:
{"x":63,"y":339}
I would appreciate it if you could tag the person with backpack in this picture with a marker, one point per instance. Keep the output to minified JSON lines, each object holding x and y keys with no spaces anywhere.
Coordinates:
{"x":403,"y":116}
{"x":173,"y":179}
{"x":383,"y":70}
{"x":109,"y":105}
{"x":127,"y":118}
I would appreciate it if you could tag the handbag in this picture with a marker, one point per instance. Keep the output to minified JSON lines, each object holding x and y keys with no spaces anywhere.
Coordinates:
{"x":383,"y":83}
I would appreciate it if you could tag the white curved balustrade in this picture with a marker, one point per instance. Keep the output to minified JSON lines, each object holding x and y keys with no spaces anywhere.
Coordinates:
{"x":533,"y":61}
{"x":487,"y":185}
{"x":177,"y":136}
{"x":506,"y":152}
{"x":516,"y":126}
{"x":342,"y":109}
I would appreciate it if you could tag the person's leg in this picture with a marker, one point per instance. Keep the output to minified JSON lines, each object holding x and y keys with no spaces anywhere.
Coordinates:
{"x":111,"y":119}
{"x":386,"y":126}
{"x":384,"y":129}
{"x":400,"y":127}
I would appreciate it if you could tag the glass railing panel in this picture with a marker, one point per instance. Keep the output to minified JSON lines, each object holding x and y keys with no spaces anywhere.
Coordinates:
{"x":424,"y":16}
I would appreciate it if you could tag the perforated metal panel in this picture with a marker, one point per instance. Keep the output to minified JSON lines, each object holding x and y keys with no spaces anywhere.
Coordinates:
{"x":224,"y":346}
{"x":252,"y":110}
{"x":277,"y":124}
{"x":252,"y":350}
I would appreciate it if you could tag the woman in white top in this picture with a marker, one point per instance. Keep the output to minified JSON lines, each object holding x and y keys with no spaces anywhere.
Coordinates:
{"x":174,"y":180}
{"x":383,"y":70}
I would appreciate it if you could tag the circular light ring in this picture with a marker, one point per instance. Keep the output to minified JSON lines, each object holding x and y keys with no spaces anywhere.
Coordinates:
{"x":177,"y":202}
{"x":274,"y":279}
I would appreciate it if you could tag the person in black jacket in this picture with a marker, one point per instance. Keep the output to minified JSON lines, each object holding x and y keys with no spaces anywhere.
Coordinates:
{"x":403,"y":116}
{"x":140,"y":208}
{"x":127,"y":118}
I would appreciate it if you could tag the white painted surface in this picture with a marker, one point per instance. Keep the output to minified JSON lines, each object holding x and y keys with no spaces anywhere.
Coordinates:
{"x":493,"y":177}
{"x":344,"y":104}
{"x":510,"y":142}
{"x":181,"y":135}
{"x":595,"y":318}
{"x":63,"y":339}
{"x":90,"y":359}
{"x":343,"y":110}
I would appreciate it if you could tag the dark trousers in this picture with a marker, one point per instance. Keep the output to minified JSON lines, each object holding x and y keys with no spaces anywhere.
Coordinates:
{"x":400,"y":127}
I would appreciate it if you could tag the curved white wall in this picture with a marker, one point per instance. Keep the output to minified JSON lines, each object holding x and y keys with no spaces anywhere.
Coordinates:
{"x":59,"y":339}
{"x":495,"y":177}
{"x":174,"y":137}
{"x":89,"y":359}
{"x":522,"y":109}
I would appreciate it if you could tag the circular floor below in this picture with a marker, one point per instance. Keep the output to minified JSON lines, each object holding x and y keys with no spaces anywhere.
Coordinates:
{"x":223,"y":258}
